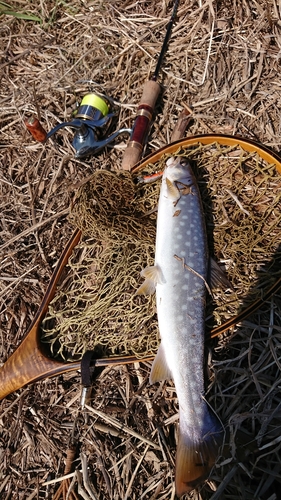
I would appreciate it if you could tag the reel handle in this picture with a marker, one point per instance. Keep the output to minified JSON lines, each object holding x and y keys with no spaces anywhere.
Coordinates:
{"x":133,"y":152}
{"x":35,"y":128}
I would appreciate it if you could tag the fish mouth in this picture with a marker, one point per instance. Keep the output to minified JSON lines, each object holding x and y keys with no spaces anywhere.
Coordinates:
{"x":177,"y":160}
{"x":177,"y":168}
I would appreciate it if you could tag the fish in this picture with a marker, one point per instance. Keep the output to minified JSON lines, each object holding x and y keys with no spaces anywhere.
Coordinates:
{"x":179,"y":276}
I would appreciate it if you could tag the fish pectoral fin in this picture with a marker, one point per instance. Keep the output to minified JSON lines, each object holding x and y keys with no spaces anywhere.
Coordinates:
{"x":172,"y":190}
{"x":152,"y":275}
{"x":160,"y":370}
{"x":217,"y":277}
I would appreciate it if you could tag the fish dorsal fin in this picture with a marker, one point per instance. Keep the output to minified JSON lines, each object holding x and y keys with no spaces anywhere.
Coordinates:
{"x":152,"y":275}
{"x":160,"y":370}
{"x":217,"y":278}
{"x":172,"y":190}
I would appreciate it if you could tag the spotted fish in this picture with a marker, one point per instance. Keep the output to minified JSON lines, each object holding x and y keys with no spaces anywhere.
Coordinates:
{"x":179,"y":276}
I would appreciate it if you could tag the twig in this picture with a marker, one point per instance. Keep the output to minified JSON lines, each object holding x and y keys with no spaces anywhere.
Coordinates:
{"x":208,"y":53}
{"x":226,"y":480}
{"x":88,"y":485}
{"x":65,"y":486}
{"x":135,"y":473}
{"x":121,"y":426}
{"x":19,"y":279}
{"x":237,"y":201}
{"x":34,"y":228}
{"x":194,"y":272}
{"x":25,"y":53}
{"x":59,"y":479}
{"x":181,"y":125}
{"x":16,"y":402}
{"x":81,"y":490}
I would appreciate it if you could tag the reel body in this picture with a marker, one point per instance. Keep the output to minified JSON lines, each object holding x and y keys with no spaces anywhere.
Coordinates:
{"x":92,"y":122}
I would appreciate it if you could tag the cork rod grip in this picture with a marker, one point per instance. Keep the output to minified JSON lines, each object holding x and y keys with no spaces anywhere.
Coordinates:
{"x":134,"y":149}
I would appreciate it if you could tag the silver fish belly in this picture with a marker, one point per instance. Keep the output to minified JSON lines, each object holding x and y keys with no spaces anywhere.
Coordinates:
{"x":179,"y":276}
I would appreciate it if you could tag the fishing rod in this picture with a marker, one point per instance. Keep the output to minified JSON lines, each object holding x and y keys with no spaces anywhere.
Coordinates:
{"x":95,"y":114}
{"x":151,"y":91}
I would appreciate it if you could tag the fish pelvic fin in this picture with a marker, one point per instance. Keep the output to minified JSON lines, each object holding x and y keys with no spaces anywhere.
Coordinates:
{"x":196,"y":458}
{"x":152,"y":275}
{"x":160,"y":370}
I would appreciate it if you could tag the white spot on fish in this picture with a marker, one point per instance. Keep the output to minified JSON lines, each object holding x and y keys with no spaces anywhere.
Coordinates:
{"x":192,"y":340}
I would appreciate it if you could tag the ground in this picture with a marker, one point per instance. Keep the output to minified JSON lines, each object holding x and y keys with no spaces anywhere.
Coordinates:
{"x":223,"y":62}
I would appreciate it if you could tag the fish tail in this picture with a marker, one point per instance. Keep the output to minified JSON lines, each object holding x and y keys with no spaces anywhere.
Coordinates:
{"x":196,"y":456}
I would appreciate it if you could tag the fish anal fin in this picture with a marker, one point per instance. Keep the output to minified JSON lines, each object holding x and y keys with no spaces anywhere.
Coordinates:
{"x":217,"y":277}
{"x":196,"y":458}
{"x":160,"y":370}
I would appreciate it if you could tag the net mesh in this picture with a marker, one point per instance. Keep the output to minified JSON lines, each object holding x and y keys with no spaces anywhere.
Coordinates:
{"x":96,"y":307}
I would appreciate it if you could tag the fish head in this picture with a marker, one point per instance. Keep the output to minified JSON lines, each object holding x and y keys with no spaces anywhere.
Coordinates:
{"x":177,"y":173}
{"x":177,"y":169}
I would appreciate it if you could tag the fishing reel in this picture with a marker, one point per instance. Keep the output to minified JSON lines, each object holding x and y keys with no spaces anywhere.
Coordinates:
{"x":92,"y":121}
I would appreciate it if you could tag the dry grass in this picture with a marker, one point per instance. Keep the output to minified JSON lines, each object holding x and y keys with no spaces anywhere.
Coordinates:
{"x":223,"y":60}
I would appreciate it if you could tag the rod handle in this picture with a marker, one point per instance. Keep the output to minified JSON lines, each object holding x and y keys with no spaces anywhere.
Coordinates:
{"x":133,"y":152}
